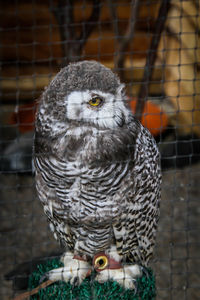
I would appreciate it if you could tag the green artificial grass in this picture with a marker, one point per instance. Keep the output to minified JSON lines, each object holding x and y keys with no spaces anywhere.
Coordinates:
{"x":90,"y":289}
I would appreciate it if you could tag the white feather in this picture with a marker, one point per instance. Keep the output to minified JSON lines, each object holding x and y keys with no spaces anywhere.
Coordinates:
{"x":108,"y":115}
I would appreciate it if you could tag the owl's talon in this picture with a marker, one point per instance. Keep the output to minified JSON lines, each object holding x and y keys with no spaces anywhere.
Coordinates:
{"x":45,"y":276}
{"x":74,"y":270}
{"x":136,"y":286}
{"x":74,"y":281}
{"x":123,"y":276}
{"x":145,"y":272}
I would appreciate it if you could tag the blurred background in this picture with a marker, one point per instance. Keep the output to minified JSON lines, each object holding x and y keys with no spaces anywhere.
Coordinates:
{"x":154,"y":47}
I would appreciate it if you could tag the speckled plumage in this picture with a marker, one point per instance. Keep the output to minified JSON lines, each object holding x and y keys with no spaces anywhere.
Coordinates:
{"x":97,"y":169}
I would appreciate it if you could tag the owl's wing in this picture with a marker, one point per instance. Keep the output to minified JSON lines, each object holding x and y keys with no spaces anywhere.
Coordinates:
{"x":136,"y":229}
{"x":54,"y":181}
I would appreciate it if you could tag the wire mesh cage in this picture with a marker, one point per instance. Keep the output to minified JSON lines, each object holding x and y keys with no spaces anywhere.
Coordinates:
{"x":154,"y":47}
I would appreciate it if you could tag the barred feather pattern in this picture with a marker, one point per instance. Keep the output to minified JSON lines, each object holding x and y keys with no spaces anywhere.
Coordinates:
{"x":92,"y":203}
{"x":99,"y":186}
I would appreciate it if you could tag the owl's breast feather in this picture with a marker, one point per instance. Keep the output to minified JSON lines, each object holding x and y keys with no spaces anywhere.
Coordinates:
{"x":91,"y":146}
{"x":94,"y":209}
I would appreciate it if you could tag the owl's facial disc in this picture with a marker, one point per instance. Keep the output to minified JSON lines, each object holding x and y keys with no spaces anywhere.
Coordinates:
{"x":102,"y":109}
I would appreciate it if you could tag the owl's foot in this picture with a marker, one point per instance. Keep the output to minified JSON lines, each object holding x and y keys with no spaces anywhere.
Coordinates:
{"x":74,"y":270}
{"x":125,"y":276}
{"x":109,"y":267}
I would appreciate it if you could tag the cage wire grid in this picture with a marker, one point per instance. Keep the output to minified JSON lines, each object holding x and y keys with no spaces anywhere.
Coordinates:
{"x":37,"y":39}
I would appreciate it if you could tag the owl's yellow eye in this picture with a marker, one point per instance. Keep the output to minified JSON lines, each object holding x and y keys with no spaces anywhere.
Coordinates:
{"x":95,"y":101}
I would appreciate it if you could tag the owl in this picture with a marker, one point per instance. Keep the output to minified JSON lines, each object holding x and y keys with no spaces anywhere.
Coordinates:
{"x":97,"y":175}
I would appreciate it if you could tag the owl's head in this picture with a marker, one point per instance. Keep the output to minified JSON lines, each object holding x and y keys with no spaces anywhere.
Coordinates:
{"x":86,"y":92}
